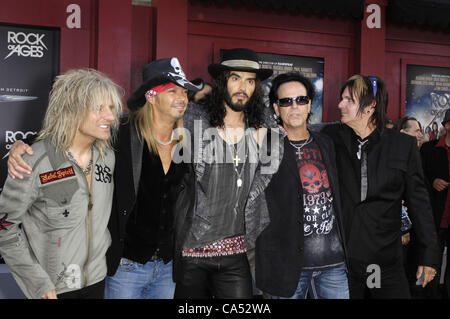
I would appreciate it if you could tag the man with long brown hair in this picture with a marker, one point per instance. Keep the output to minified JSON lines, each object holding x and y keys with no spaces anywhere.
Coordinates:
{"x":222,"y":198}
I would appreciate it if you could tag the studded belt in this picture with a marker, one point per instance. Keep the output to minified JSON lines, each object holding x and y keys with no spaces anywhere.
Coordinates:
{"x":224,"y":247}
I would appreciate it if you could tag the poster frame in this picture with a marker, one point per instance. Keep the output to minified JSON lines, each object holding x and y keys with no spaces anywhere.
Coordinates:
{"x":311,"y":52}
{"x":403,"y":81}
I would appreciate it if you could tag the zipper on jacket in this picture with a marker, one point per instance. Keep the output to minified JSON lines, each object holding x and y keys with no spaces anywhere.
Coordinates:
{"x":88,"y":223}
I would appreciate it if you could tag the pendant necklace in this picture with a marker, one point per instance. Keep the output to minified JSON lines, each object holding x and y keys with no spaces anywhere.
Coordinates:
{"x":299,"y":147}
{"x":86,"y":170}
{"x":236,"y":159}
{"x":165,"y":143}
{"x":360,"y":145}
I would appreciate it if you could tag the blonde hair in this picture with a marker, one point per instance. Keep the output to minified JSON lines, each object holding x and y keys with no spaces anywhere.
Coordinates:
{"x":142,"y":119}
{"x":73,"y":94}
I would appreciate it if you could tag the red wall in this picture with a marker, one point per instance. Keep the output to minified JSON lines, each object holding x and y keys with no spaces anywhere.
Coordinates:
{"x":119,"y":39}
{"x":75,"y":43}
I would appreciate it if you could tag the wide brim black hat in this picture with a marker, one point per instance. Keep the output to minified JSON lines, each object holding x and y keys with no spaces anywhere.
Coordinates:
{"x":239,"y":59}
{"x":160,"y":72}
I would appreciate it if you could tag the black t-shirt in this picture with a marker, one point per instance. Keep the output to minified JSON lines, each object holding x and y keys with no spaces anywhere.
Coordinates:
{"x":322,"y":247}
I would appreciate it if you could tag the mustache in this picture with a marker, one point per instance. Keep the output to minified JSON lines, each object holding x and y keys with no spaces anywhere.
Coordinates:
{"x":240,"y":93}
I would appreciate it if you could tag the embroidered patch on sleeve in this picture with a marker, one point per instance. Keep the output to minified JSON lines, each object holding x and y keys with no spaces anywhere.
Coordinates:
{"x":4,"y":222}
{"x":56,"y":175}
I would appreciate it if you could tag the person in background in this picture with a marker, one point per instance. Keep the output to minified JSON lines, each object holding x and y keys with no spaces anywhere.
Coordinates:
{"x":390,"y":124}
{"x":434,"y":133}
{"x":410,"y":126}
{"x":435,"y":161}
{"x":53,"y":222}
{"x":199,"y":97}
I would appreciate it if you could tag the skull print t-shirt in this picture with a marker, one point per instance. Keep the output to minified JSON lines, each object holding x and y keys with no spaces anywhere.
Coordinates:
{"x":322,"y":247}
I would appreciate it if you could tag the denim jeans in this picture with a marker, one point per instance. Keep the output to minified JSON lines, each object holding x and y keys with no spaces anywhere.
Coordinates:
{"x":323,"y":284}
{"x":137,"y":281}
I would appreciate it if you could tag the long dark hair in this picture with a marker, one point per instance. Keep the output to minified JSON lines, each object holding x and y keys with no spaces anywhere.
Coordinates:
{"x":361,"y":87}
{"x":254,"y":111}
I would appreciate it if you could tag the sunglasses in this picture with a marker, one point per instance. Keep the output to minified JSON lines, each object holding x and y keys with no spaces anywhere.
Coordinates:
{"x":288,"y":101}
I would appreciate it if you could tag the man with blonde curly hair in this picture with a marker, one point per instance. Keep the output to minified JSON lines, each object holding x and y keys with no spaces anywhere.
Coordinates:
{"x":53,"y":229}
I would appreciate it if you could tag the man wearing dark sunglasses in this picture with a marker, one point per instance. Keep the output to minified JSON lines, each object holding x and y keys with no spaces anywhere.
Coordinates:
{"x":302,"y":249}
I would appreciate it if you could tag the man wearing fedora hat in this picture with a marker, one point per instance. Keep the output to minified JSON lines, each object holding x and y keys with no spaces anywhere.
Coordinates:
{"x":435,"y":161}
{"x":211,"y":252}
{"x":140,"y":256}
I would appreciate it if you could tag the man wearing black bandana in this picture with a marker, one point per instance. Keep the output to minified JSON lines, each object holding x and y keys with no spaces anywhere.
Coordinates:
{"x":302,"y":249}
{"x":377,"y":169}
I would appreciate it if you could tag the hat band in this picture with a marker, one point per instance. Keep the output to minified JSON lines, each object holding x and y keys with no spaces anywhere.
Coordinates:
{"x":241,"y":64}
{"x":159,"y":89}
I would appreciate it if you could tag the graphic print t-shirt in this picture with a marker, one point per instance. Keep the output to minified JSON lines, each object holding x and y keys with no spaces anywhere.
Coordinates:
{"x":322,"y":247}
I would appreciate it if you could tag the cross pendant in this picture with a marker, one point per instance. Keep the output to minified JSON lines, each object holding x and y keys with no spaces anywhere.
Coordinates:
{"x":299,"y":153}
{"x":236,"y":160}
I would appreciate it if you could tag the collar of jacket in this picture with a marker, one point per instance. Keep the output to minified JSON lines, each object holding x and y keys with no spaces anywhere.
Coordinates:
{"x":348,"y":135}
{"x":256,"y":212}
{"x":57,"y":158}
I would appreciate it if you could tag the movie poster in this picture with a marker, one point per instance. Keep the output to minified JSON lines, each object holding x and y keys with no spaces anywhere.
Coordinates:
{"x":428,"y":97}
{"x":29,"y":61}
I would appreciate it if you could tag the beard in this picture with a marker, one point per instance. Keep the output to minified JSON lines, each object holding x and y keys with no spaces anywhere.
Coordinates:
{"x":237,"y":107}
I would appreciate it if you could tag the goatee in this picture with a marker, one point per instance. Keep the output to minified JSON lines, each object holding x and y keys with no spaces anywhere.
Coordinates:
{"x":237,"y":107}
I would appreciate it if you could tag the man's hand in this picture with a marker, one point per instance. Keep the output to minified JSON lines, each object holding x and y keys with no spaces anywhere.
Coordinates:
{"x":439,"y":184}
{"x":50,"y":295}
{"x":16,"y":165}
{"x":405,"y":239}
{"x":430,"y":272}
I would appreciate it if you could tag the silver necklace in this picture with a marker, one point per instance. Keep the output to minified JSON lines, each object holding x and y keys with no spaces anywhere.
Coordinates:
{"x":165,"y":143}
{"x":361,"y":144}
{"x":236,"y":159}
{"x":88,"y":169}
{"x":299,"y":147}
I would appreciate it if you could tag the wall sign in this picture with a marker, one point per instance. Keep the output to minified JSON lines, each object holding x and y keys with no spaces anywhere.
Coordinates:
{"x":29,"y":61}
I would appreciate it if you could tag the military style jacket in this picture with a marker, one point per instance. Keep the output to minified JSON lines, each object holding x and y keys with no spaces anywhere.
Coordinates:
{"x":53,"y":231}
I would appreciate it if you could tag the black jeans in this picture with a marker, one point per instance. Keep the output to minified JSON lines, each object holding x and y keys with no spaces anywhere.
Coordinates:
{"x":223,"y":277}
{"x":95,"y":291}
{"x":393,"y":281}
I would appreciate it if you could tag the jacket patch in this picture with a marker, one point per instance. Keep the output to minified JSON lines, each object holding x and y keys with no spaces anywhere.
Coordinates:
{"x":4,"y":222}
{"x":56,"y":175}
{"x":70,"y":276}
